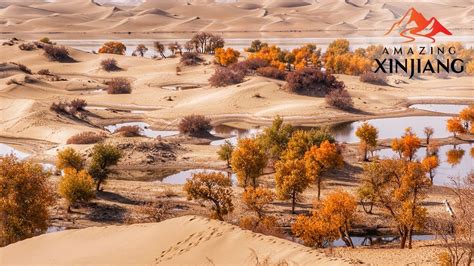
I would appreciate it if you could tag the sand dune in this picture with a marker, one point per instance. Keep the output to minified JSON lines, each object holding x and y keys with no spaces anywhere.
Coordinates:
{"x":320,"y":18}
{"x":184,"y":240}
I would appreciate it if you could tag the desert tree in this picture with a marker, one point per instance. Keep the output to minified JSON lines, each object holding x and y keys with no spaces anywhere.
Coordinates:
{"x":368,"y":135}
{"x":69,"y":158}
{"x":225,"y":152}
{"x":103,"y":157}
{"x":225,"y":57}
{"x":455,"y":126}
{"x":467,"y":116}
{"x":291,"y":180}
{"x":428,"y":131}
{"x":331,"y":218}
{"x":160,"y":48}
{"x":319,"y":160}
{"x":26,"y":195}
{"x":430,"y":163}
{"x":189,"y":46}
{"x":113,"y":48}
{"x":398,"y":187}
{"x":212,"y":187}
{"x":248,"y":161}
{"x":256,"y":200}
{"x":256,"y":46}
{"x":173,"y":48}
{"x":76,"y":187}
{"x":275,"y":139}
{"x":140,"y":50}
{"x":302,"y":141}
{"x":407,"y":145}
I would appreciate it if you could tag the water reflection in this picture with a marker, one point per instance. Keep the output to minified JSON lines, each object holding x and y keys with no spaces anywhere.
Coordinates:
{"x":372,"y":240}
{"x":454,"y":161}
{"x":235,"y":133}
{"x":441,"y":108}
{"x":145,"y":129}
{"x":7,"y":150}
{"x":393,"y":127}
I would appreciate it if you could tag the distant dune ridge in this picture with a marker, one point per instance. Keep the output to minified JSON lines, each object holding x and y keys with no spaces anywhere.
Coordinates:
{"x":332,"y":17}
{"x":184,"y":240}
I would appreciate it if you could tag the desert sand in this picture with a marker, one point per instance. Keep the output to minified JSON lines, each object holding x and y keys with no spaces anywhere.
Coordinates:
{"x":178,"y":241}
{"x":270,"y":18}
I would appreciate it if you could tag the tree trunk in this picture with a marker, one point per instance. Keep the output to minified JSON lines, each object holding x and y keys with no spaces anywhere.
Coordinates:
{"x":319,"y":188}
{"x":293,"y":202}
{"x":410,"y":232}
{"x":369,"y":208}
{"x":403,"y":238}
{"x":97,"y":187}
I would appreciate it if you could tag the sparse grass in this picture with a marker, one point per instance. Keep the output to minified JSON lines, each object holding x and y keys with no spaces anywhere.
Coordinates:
{"x":57,"y":53}
{"x":374,"y":78}
{"x":339,"y":99}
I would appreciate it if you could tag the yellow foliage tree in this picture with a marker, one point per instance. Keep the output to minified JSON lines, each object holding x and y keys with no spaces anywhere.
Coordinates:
{"x":113,"y":48}
{"x":291,"y":180}
{"x":320,"y":159}
{"x":76,"y":187}
{"x":407,"y":145}
{"x":454,"y":125}
{"x":467,"y":116}
{"x":212,"y":187}
{"x":225,"y":57}
{"x":248,"y":161}
{"x":69,"y":158}
{"x":368,"y":135}
{"x":331,"y":219}
{"x":398,"y":187}
{"x":430,"y":163}
{"x":25,"y":197}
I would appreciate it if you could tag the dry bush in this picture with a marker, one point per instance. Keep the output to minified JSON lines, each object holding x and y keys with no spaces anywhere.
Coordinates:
{"x":129,"y":131}
{"x":255,"y":63}
{"x":45,"y":40}
{"x":267,"y":225}
{"x":339,"y":99}
{"x":119,"y":86}
{"x":24,"y":68}
{"x":72,"y":107}
{"x":224,"y":76}
{"x":272,"y":72}
{"x":45,"y":72}
{"x":379,"y":78}
{"x":191,"y":59}
{"x":27,"y":46}
{"x":109,"y":64}
{"x":57,"y":53}
{"x":88,"y":137}
{"x":155,"y":212}
{"x":195,"y":125}
{"x":311,"y":81}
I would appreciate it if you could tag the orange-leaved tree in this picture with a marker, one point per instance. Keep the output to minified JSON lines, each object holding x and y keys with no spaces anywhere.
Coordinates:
{"x":291,"y":180}
{"x":331,"y":219}
{"x":25,"y":197}
{"x":430,"y":163}
{"x":368,"y":135}
{"x":455,"y":126}
{"x":398,"y":187}
{"x":225,"y":57}
{"x":248,"y":161}
{"x":407,"y":145}
{"x":319,"y":160}
{"x":113,"y":48}
{"x":212,"y":187}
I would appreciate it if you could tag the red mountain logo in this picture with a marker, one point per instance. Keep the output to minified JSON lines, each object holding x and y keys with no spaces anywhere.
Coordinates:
{"x":414,"y":24}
